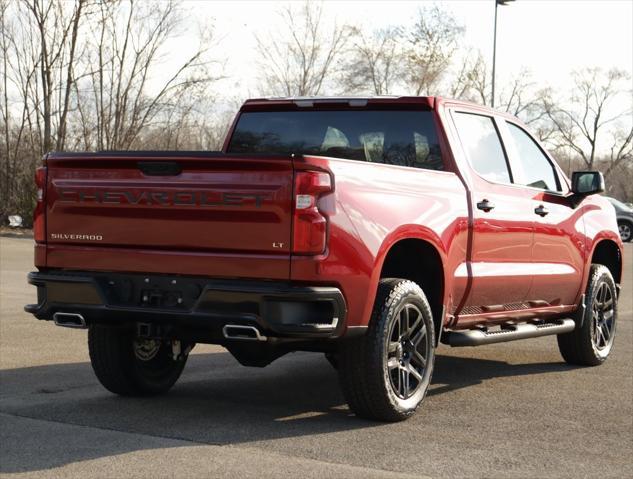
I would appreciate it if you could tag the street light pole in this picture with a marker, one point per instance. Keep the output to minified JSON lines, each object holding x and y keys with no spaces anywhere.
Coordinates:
{"x":494,"y":49}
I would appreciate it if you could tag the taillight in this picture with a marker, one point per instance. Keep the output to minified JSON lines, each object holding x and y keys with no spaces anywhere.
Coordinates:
{"x":309,"y":224}
{"x":39,"y":214}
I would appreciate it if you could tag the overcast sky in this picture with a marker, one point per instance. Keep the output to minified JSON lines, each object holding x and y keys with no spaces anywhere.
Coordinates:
{"x":549,"y":37}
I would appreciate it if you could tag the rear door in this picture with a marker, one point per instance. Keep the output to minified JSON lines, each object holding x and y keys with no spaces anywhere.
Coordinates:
{"x":502,"y":221}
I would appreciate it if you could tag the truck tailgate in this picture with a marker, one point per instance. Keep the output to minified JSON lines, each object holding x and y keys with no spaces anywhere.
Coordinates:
{"x":208,"y":204}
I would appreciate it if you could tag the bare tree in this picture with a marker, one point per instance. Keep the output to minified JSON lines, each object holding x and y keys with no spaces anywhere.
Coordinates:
{"x":521,"y":96}
{"x":598,"y":117}
{"x":5,"y":118}
{"x":524,"y":98}
{"x":620,"y":181}
{"x":21,"y":126}
{"x":299,"y":58}
{"x":374,"y":62}
{"x":83,"y":74}
{"x":470,"y":79}
{"x":520,"y":99}
{"x":432,"y":43}
{"x":460,"y":85}
{"x":57,"y":28}
{"x":126,"y":51}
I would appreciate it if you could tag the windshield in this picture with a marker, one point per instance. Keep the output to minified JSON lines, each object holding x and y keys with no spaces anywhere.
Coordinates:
{"x":404,"y":138}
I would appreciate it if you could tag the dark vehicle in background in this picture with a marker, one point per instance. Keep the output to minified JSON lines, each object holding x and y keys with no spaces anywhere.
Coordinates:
{"x":624,"y":215}
{"x":368,"y":229}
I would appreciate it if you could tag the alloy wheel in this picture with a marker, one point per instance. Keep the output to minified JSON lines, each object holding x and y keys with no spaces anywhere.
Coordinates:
{"x":407,"y":352}
{"x":603,"y":316}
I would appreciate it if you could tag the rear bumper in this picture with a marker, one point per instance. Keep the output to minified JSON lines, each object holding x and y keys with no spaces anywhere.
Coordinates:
{"x":277,"y":309}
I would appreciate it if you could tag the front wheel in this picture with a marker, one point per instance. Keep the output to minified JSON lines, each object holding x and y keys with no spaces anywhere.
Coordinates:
{"x":131,"y":366}
{"x":591,"y":343}
{"x":386,"y":373}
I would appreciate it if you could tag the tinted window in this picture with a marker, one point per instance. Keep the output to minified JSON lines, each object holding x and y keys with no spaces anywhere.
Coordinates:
{"x":404,"y":138}
{"x":535,"y":169}
{"x":483,"y":147}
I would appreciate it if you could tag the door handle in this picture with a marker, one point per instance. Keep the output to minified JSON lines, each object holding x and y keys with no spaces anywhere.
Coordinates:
{"x":485,"y":205}
{"x":541,"y":210}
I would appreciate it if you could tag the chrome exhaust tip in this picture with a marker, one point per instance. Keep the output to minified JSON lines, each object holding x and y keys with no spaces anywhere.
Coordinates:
{"x":70,"y":320}
{"x":242,"y":333}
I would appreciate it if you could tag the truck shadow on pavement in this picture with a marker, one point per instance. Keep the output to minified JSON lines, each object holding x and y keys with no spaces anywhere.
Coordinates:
{"x":216,"y":402}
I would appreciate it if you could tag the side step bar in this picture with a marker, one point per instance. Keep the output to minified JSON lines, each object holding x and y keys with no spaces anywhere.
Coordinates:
{"x":478,"y":337}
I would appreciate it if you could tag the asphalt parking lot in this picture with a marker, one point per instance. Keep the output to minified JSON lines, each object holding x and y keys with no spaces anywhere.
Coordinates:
{"x":507,"y":410}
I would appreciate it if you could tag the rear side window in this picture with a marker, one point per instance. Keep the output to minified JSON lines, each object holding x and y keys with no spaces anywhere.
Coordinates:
{"x":535,"y":168}
{"x":403,"y":138}
{"x":483,"y":147}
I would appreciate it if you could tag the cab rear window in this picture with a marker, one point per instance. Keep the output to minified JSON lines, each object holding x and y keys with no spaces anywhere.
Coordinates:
{"x":403,"y":138}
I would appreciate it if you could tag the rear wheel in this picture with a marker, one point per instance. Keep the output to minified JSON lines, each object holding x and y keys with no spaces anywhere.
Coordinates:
{"x":590,"y":344}
{"x":131,"y":366}
{"x":386,"y":373}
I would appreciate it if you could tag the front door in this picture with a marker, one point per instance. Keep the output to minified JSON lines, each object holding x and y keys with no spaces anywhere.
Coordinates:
{"x":558,"y":228}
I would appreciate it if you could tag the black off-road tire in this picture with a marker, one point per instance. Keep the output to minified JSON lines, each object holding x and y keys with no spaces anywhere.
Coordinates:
{"x":364,"y":365}
{"x":119,"y":369}
{"x":580,"y":346}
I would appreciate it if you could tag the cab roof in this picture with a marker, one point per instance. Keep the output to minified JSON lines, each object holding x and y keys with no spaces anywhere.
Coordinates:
{"x":324,"y":102}
{"x":372,"y":102}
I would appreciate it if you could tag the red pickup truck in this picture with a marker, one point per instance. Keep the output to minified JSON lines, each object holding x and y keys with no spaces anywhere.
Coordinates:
{"x":368,"y":229}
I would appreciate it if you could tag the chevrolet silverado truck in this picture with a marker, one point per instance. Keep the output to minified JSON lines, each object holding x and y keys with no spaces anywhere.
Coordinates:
{"x":368,"y":229}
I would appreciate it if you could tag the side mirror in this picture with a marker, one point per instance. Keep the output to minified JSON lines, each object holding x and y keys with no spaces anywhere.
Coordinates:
{"x":584,"y":183}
